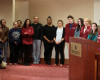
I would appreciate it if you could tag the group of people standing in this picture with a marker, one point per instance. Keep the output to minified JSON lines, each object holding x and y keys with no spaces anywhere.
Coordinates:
{"x":25,"y":41}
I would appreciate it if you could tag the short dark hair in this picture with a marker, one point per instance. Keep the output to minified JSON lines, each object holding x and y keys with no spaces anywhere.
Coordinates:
{"x":1,"y":21}
{"x":26,"y":21}
{"x":70,"y":16}
{"x":82,"y":24}
{"x":91,"y":31}
{"x":19,"y":21}
{"x":49,"y":17}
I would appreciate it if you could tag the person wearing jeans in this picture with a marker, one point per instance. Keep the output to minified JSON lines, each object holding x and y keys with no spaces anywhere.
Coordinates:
{"x":37,"y":40}
{"x":4,"y":36}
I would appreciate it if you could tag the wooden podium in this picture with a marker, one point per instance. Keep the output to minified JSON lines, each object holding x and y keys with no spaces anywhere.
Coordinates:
{"x":82,"y":59}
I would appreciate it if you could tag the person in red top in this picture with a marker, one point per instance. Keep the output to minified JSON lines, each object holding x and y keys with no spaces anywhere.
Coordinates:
{"x":69,"y":32}
{"x":85,"y":29}
{"x":70,"y":28}
{"x":27,"y":40}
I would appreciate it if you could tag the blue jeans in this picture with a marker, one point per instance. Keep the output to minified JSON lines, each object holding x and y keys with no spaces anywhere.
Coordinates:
{"x":36,"y":50}
{"x":5,"y":51}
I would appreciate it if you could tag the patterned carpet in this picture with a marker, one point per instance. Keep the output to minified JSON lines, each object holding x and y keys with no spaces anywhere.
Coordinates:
{"x":34,"y":72}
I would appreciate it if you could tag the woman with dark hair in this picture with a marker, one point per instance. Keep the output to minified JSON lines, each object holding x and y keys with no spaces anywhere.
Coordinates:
{"x":4,"y":36}
{"x":59,"y":43}
{"x":80,"y":24}
{"x":14,"y":41}
{"x":93,"y":34}
{"x":27,"y":40}
{"x":2,"y":63}
{"x":48,"y":36}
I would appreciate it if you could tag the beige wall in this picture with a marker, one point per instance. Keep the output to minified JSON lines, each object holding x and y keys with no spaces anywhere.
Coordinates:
{"x":60,"y":9}
{"x":97,"y":11}
{"x":21,"y":10}
{"x":6,"y":11}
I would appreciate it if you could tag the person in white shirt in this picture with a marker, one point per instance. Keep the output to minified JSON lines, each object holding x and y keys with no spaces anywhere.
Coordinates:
{"x":59,"y":43}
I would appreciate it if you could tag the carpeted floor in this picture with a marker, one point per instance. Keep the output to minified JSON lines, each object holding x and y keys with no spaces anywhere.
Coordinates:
{"x":34,"y":72}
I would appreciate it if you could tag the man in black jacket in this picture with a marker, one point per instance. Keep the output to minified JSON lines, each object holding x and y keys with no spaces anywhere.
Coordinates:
{"x":37,"y":40}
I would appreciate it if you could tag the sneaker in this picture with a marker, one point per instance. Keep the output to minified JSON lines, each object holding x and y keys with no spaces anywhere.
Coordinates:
{"x":6,"y":63}
{"x":67,"y":66}
{"x":61,"y":65}
{"x":55,"y":65}
{"x":37,"y":62}
{"x":15,"y":64}
{"x":10,"y":64}
{"x":34,"y":62}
